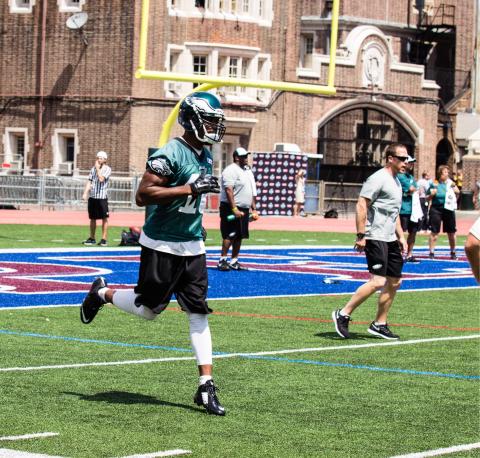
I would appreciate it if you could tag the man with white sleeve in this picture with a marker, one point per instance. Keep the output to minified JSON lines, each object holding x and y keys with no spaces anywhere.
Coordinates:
{"x":380,"y":235}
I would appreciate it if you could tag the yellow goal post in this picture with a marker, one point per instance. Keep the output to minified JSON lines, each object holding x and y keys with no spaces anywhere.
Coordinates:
{"x":210,"y":82}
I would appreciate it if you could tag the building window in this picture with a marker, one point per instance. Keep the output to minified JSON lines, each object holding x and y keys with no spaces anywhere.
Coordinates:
{"x":21,"y":6}
{"x":199,"y":66}
{"x":65,"y":151}
{"x":306,"y":50}
{"x":15,"y":145}
{"x":70,"y":6}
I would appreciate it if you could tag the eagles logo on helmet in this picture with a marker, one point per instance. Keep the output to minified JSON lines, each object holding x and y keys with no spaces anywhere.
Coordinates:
{"x":201,"y":113}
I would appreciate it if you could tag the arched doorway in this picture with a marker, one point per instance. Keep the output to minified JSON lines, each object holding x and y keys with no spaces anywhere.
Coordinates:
{"x":353,"y":143}
{"x":444,"y":153}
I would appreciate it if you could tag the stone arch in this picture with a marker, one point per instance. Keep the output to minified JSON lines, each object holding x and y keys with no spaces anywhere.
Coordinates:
{"x":353,"y":136}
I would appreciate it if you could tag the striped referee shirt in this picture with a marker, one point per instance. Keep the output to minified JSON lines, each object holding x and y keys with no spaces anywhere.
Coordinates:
{"x":99,"y":188}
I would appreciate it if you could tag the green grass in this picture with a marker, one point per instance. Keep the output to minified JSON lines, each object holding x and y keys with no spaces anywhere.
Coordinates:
{"x":276,"y":408}
{"x":303,"y":404}
{"x":45,"y":236}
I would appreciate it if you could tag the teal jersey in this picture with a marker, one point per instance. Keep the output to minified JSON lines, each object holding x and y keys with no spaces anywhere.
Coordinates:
{"x":181,"y":219}
{"x":406,"y":180}
{"x":438,"y":199}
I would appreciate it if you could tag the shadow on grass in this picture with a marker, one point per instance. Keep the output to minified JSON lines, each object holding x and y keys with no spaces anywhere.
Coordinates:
{"x":124,"y":397}
{"x":353,"y":336}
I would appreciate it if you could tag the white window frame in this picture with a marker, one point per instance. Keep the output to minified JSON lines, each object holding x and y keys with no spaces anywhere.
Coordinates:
{"x":304,"y":62}
{"x":258,"y":11}
{"x":21,"y":7}
{"x":8,"y":147}
{"x":68,"y":6}
{"x":58,"y":150}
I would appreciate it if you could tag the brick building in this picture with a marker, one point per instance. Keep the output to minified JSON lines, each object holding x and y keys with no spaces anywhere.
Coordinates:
{"x":404,"y":71}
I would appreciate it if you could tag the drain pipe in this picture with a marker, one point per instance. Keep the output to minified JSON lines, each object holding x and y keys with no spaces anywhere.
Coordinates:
{"x":41,"y":88}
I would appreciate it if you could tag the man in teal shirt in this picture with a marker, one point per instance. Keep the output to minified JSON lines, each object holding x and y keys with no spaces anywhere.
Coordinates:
{"x":173,"y":260}
{"x":409,"y":187}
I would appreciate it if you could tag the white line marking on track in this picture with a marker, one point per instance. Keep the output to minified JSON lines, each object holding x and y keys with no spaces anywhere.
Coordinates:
{"x":235,"y":355}
{"x":27,"y":436}
{"x":8,"y":453}
{"x":441,"y":451}
{"x":158,"y":454}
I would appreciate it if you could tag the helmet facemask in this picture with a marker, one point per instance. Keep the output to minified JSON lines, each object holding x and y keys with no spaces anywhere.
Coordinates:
{"x":208,"y":127}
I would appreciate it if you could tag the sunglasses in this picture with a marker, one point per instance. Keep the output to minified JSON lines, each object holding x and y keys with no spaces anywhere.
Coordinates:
{"x":401,"y":158}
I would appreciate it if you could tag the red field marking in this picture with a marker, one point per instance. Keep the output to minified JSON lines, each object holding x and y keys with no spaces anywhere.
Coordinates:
{"x":321,"y":320}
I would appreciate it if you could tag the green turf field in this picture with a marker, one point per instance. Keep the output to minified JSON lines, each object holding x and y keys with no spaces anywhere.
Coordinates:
{"x":357,"y":398}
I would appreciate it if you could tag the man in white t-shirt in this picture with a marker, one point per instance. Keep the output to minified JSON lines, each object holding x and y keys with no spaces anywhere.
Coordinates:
{"x":472,"y":249}
{"x":237,"y":206}
{"x":380,"y":235}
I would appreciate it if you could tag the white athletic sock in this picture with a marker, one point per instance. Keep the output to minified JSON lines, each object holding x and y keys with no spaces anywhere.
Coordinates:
{"x":223,"y":258}
{"x":203,"y":379}
{"x":124,"y":299}
{"x":233,"y":260}
{"x":201,"y":338}
{"x":101,"y":293}
{"x":342,"y":313}
{"x":379,"y":323}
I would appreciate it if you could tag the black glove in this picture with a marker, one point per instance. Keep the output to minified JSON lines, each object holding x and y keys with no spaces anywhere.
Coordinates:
{"x":204,"y":234}
{"x":204,"y":184}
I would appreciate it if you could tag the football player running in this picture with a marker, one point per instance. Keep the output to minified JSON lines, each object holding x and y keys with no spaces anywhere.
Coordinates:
{"x":173,"y":261}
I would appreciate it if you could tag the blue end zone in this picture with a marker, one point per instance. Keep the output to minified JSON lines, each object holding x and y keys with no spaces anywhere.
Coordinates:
{"x":61,"y":277}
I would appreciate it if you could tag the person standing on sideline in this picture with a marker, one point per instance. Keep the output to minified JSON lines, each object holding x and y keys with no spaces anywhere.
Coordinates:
{"x":472,"y":249}
{"x":298,"y":209}
{"x":423,"y":184}
{"x":408,"y":218}
{"x":380,"y":235}
{"x":173,"y":261}
{"x":96,"y":193}
{"x":237,"y":207}
{"x":443,"y":194}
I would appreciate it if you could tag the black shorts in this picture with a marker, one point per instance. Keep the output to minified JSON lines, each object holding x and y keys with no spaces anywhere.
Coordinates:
{"x":236,"y":229}
{"x":407,"y":225}
{"x":164,"y":274}
{"x":97,"y":208}
{"x":439,"y":215}
{"x":384,"y":258}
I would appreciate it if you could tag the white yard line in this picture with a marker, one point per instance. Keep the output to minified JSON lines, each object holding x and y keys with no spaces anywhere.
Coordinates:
{"x":158,"y":454}
{"x":441,"y":451}
{"x":27,"y":436}
{"x":234,"y":355}
{"x":8,"y":453}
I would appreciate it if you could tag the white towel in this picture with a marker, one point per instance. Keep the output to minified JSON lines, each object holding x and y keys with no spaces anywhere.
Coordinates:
{"x":417,"y":213}
{"x":450,"y":197}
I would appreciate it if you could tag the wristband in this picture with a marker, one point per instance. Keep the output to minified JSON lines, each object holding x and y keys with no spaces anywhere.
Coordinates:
{"x":360,"y":235}
{"x":234,"y":209}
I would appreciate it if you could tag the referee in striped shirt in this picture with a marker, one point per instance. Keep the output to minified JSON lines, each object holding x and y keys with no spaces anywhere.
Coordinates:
{"x":96,"y":193}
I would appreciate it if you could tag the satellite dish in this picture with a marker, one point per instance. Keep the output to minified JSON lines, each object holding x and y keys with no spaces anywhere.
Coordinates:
{"x":77,"y":21}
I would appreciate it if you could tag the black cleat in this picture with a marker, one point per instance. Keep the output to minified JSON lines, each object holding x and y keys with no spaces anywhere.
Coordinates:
{"x":223,"y":265}
{"x":237,"y":266}
{"x":453,"y":255}
{"x":383,"y":331}
{"x":103,"y":242}
{"x":206,"y":396}
{"x":412,"y":259}
{"x":341,"y":324}
{"x":92,"y":302}
{"x":89,"y":242}
{"x":431,"y":255}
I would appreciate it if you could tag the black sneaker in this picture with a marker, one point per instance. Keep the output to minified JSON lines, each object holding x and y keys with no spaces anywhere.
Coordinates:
{"x":341,"y":324}
{"x":453,"y":255}
{"x":237,"y":266}
{"x":92,"y":302}
{"x":206,"y":396}
{"x":431,"y":255}
{"x":383,"y":331}
{"x":103,"y":242}
{"x":223,"y":265}
{"x":412,"y":259}
{"x":90,"y":241}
